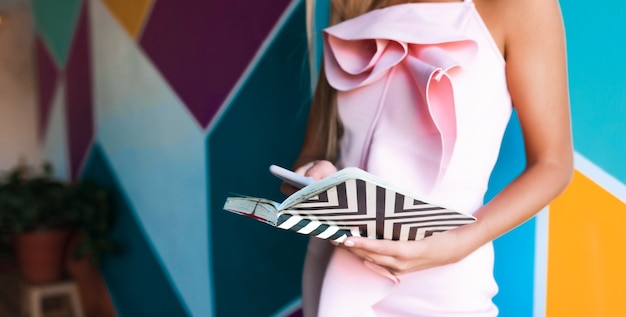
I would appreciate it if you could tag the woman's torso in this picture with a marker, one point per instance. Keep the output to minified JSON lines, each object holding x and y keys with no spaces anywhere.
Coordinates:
{"x":430,"y":79}
{"x":437,"y":136}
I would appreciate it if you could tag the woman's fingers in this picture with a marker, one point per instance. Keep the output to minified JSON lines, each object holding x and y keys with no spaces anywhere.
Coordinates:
{"x":401,"y":257}
{"x":377,"y":246}
{"x":385,"y":253}
{"x":317,"y":169}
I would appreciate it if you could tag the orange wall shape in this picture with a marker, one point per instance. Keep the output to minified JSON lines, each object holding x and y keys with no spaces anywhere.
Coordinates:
{"x":586,"y":252}
{"x":130,"y":14}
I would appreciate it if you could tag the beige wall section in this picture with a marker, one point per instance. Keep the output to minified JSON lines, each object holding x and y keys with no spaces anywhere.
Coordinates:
{"x":18,"y":111}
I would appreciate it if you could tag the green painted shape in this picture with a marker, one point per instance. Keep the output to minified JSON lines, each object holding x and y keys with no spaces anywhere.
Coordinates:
{"x":55,"y":21}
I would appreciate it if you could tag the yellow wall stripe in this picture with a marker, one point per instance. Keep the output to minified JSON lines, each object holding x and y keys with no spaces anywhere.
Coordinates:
{"x":587,"y":252}
{"x":130,"y":14}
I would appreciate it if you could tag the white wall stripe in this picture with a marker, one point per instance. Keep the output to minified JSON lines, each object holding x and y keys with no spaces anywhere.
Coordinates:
{"x":600,"y":177}
{"x":289,"y":309}
{"x":54,"y":146}
{"x":541,"y":262}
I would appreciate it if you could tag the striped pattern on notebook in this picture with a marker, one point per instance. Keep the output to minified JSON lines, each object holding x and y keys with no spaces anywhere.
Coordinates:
{"x":357,"y":207}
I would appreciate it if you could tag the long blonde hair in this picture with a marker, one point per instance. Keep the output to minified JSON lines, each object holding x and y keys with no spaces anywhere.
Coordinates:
{"x":329,"y":129}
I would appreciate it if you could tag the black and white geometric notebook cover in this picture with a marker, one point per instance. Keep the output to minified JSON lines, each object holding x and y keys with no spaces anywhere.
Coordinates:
{"x":352,"y":203}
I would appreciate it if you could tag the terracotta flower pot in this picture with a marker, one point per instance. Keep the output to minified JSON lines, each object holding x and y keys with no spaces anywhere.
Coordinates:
{"x":40,"y":255}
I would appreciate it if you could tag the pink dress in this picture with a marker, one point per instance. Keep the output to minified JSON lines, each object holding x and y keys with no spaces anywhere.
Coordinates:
{"x":423,"y":98}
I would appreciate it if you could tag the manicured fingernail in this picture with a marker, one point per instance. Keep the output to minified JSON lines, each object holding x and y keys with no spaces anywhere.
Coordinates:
{"x":349,"y":243}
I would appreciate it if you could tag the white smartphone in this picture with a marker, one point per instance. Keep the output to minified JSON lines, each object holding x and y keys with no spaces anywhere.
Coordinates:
{"x":290,"y":177}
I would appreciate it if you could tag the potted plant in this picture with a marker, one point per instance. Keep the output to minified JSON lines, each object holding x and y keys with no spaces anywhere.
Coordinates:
{"x":41,"y":212}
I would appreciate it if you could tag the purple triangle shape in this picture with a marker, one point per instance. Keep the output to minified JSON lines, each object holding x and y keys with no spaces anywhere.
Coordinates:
{"x":80,"y":121}
{"x":47,"y":75}
{"x":203,"y":47}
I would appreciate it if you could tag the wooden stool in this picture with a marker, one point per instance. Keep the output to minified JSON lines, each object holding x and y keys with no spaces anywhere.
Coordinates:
{"x":34,"y":296}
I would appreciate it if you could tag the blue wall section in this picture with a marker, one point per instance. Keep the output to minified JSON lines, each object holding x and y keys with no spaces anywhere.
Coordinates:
{"x":515,"y":251}
{"x":596,"y":56}
{"x":263,"y":125}
{"x":135,"y":277}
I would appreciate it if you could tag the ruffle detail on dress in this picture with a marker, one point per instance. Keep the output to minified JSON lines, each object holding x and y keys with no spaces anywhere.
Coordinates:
{"x":366,"y":49}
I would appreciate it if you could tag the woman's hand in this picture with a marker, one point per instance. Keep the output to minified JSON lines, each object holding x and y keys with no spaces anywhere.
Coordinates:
{"x":401,"y":257}
{"x":315,"y":170}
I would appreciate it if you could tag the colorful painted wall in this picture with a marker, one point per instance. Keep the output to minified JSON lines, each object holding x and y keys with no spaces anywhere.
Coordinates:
{"x":175,"y":105}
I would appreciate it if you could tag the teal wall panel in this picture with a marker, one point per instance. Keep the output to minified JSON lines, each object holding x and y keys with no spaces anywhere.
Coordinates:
{"x":135,"y":276}
{"x":55,"y":20}
{"x":263,"y":125}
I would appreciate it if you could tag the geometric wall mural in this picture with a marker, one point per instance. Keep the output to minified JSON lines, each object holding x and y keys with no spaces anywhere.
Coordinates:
{"x":156,"y":150}
{"x":126,"y":95}
{"x":135,"y":277}
{"x":174,"y":105}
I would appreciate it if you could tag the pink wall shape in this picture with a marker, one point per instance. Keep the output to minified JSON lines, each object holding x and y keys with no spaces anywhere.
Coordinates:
{"x":79,"y":113}
{"x":203,"y":47}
